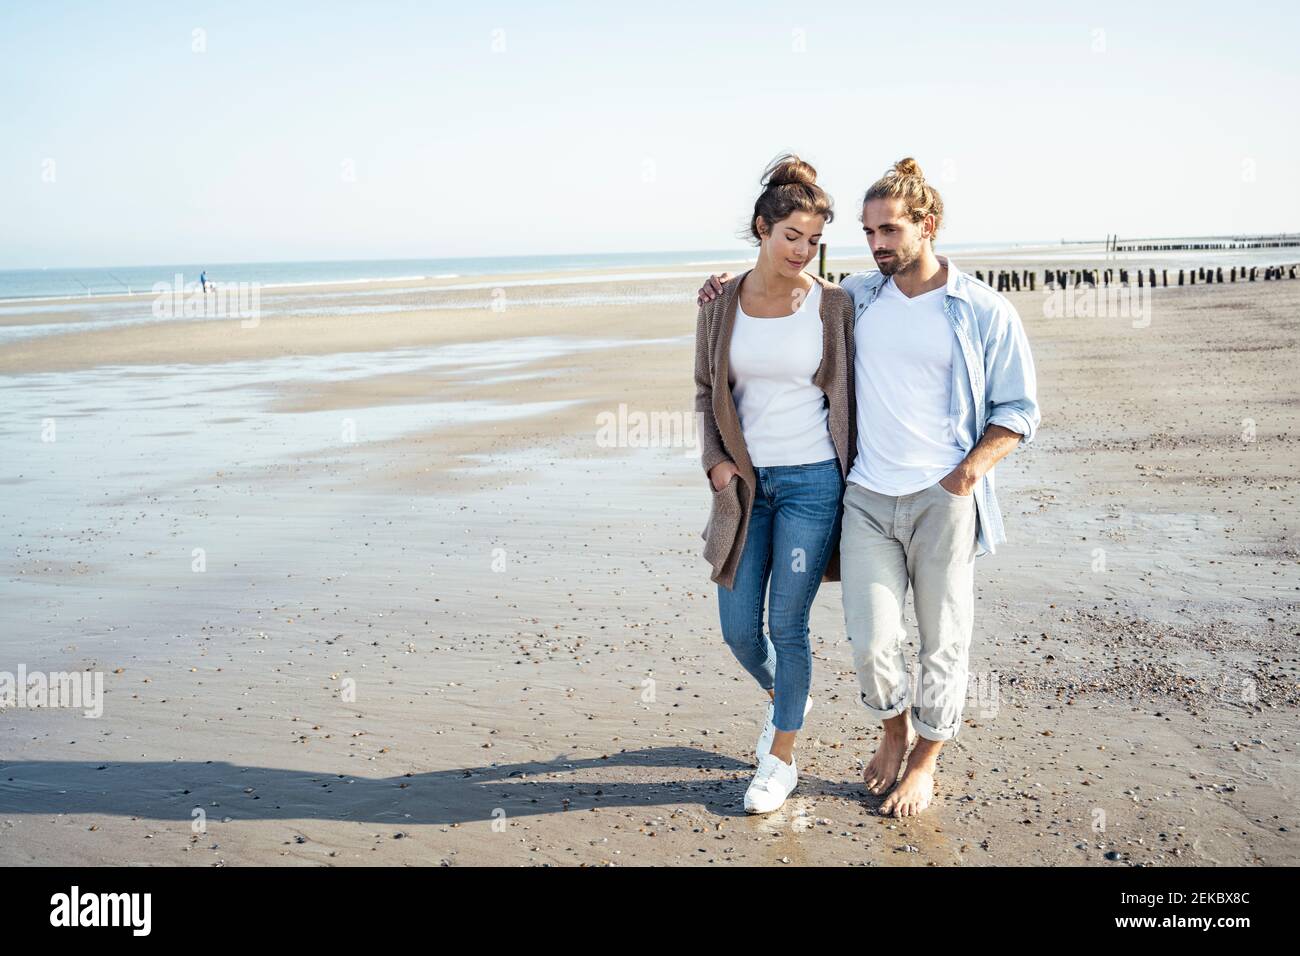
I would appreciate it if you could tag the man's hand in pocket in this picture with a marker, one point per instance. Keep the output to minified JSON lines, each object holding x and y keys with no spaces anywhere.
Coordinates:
{"x":959,"y":481}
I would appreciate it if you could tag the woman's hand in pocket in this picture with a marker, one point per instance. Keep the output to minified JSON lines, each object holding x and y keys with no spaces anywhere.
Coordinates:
{"x":722,"y":473}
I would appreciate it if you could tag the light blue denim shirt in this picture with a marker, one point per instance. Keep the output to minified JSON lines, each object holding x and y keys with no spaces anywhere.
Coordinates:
{"x":993,"y":383}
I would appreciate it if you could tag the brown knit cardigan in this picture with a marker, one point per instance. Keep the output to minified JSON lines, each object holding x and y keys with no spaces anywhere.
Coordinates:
{"x":719,"y":424}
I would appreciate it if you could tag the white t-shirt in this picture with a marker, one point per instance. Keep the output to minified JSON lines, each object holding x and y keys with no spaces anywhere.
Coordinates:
{"x":903,"y":380}
{"x":772,"y":362}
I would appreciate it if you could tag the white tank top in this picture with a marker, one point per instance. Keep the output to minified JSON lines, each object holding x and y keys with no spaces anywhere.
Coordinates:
{"x":772,"y":363}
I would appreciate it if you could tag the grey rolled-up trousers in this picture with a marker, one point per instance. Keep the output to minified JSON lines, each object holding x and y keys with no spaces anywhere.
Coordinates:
{"x":926,"y":540}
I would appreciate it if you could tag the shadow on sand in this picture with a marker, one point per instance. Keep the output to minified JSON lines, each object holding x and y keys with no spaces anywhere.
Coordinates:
{"x":173,"y":790}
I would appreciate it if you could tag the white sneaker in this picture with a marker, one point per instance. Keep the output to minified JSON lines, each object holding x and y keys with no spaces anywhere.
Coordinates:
{"x":764,"y":745}
{"x":774,"y":781}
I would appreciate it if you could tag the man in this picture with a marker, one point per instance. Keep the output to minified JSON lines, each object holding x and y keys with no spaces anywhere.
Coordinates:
{"x":945,"y":388}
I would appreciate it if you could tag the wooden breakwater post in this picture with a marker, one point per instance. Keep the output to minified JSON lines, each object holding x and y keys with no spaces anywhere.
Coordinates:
{"x":1025,"y":280}
{"x":1012,"y":280}
{"x":1203,"y":243}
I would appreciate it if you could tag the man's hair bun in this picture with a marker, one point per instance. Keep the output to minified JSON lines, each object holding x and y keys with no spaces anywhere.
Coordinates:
{"x":904,"y":181}
{"x":908,"y":167}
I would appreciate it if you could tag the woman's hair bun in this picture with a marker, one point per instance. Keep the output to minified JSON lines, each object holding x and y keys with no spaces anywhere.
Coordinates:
{"x":789,"y":185}
{"x":908,"y":167}
{"x":787,"y":170}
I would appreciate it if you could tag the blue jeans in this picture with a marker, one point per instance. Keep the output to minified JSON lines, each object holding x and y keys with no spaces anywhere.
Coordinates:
{"x":795,"y":521}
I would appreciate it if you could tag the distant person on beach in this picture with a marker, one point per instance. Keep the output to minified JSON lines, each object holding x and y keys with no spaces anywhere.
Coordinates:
{"x":203,"y":279}
{"x":773,"y":368}
{"x":945,"y":388}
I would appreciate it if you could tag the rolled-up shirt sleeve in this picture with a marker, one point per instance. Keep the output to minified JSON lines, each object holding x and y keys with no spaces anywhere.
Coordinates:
{"x":1012,"y":385}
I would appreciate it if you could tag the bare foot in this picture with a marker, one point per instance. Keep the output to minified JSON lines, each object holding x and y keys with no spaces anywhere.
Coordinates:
{"x":916,"y":790}
{"x":879,"y":775}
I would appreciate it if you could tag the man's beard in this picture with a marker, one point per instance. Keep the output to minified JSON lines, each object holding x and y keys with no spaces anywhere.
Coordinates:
{"x":898,"y":261}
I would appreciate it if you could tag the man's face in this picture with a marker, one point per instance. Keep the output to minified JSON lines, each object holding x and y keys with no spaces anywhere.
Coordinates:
{"x":896,"y":242}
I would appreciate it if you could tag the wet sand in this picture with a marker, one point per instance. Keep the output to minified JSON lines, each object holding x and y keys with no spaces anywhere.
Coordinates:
{"x":440,"y":621}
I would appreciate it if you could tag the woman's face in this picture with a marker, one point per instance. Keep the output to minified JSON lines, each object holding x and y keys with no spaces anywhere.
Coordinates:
{"x":791,"y":243}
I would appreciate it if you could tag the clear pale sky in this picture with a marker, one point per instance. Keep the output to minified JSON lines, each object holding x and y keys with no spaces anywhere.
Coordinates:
{"x":386,"y":130}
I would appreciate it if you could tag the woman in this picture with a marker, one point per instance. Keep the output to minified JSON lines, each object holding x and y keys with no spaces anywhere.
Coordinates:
{"x":774,"y":395}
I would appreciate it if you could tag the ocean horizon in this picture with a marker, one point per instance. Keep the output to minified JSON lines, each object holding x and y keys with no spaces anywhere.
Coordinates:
{"x":19,"y":286}
{"x":60,"y":282}
{"x":119,"y":280}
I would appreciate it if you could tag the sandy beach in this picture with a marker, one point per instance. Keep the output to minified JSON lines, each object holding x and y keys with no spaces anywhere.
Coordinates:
{"x":368,"y":584}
